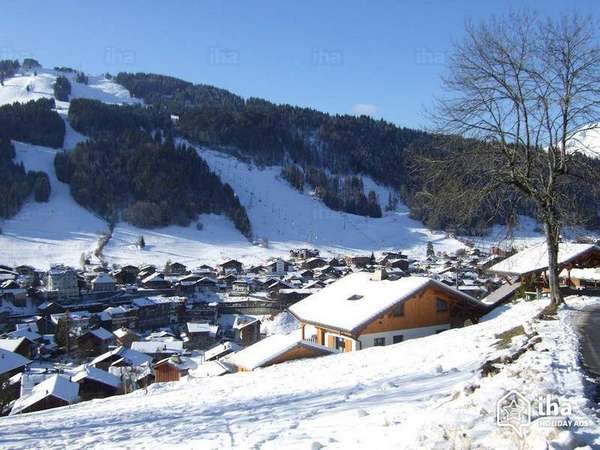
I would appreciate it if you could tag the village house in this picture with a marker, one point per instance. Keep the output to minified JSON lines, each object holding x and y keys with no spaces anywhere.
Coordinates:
{"x":156,"y":312}
{"x":103,"y":283}
{"x":62,"y":283}
{"x":221,"y":350}
{"x":156,"y":281}
{"x":120,"y":356}
{"x":359,"y":261}
{"x":531,"y":265}
{"x":364,"y":310}
{"x":96,"y":383}
{"x":277,"y":267}
{"x":95,"y":342}
{"x":22,"y":345}
{"x":231,"y":266}
{"x":240,"y":288}
{"x":115,"y":317}
{"x":53,"y":392}
{"x":276,"y":349}
{"x":125,"y":336}
{"x":172,"y":368}
{"x":158,"y":349}
{"x":126,"y":275}
{"x":246,"y":330}
{"x":11,"y":363}
{"x":200,"y":335}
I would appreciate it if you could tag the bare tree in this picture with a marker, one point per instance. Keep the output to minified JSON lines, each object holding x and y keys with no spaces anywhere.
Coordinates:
{"x":526,"y":89}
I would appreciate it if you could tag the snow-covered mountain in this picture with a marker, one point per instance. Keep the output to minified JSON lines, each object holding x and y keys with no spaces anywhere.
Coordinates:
{"x":281,"y":217}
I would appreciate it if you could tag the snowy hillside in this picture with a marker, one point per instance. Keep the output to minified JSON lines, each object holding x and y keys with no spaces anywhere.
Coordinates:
{"x":401,"y":396}
{"x":281,"y":217}
{"x":53,"y":232}
{"x":41,"y":86}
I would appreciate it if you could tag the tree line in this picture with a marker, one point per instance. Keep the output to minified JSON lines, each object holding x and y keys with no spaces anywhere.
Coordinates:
{"x":343,"y":145}
{"x":17,"y":184}
{"x":132,"y":170}
{"x":34,"y":122}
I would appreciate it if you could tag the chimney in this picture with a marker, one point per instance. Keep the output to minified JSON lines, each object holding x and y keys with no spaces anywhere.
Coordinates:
{"x":379,"y":274}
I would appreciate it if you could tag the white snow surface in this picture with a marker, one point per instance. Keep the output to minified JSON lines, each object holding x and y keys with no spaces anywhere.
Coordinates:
{"x":58,"y":231}
{"x":422,"y":393}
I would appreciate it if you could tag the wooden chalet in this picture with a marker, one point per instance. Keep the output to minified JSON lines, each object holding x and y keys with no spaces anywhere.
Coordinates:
{"x":53,"y":392}
{"x":172,"y":368}
{"x":276,"y":349}
{"x":96,"y":383}
{"x":95,"y":342}
{"x":531,"y":265}
{"x":364,"y":310}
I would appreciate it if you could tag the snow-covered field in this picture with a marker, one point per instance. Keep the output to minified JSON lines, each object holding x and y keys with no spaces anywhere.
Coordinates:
{"x":423,"y":393}
{"x":44,"y":233}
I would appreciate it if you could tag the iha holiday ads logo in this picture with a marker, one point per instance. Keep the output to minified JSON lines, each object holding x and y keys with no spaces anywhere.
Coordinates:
{"x":515,"y":411}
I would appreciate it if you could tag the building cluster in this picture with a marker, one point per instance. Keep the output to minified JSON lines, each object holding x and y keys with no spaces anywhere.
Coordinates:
{"x":70,"y":335}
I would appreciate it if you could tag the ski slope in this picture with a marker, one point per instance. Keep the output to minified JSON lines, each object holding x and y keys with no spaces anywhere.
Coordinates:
{"x":58,"y":231}
{"x":422,"y":393}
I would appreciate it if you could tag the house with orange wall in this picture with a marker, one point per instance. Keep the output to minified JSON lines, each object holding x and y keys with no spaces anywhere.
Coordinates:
{"x":364,"y":310}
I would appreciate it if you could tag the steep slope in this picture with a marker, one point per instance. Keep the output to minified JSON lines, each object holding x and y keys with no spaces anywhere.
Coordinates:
{"x":60,"y":230}
{"x":406,"y":395}
{"x":44,"y":233}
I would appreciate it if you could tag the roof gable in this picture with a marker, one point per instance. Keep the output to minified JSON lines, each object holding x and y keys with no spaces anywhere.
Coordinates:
{"x":355,"y":300}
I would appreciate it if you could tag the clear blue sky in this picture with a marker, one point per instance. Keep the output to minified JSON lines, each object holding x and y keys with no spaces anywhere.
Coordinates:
{"x":379,"y":57}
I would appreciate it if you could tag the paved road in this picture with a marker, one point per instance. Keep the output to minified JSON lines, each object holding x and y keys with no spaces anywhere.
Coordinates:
{"x":588,"y":321}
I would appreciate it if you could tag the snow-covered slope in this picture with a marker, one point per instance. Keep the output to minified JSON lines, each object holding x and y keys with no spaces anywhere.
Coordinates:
{"x":423,"y":393}
{"x":44,"y":233}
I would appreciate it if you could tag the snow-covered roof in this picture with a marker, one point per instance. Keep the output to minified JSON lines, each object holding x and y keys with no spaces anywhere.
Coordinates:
{"x":195,"y":327}
{"x":242,"y":321}
{"x":261,"y":353}
{"x":104,"y":278}
{"x":133,"y":357}
{"x":151,"y":347}
{"x":209,"y":369}
{"x":55,"y":386}
{"x":592,"y":274}
{"x":181,"y":363}
{"x":149,"y":301}
{"x":102,"y":333}
{"x":11,"y":345}
{"x":219,"y":349}
{"x":99,"y":375}
{"x":356,"y":300}
{"x":10,"y":361}
{"x":535,"y":259}
{"x":25,"y":332}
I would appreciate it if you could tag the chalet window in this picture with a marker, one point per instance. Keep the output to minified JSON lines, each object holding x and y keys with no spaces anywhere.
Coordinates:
{"x":398,"y":338}
{"x":442,"y":305}
{"x":399,"y":310}
{"x":379,"y":342}
{"x":340,"y":343}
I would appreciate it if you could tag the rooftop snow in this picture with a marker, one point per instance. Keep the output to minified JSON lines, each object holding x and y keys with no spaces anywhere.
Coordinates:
{"x":268,"y":349}
{"x":10,"y":361}
{"x":102,"y":376}
{"x":357,"y":299}
{"x":56,"y":386}
{"x":535,"y":259}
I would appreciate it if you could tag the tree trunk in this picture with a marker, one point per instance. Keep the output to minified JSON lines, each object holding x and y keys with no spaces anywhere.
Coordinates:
{"x":552,"y":231}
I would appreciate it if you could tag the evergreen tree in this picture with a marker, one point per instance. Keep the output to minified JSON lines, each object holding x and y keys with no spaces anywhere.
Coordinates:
{"x":430,"y":250}
{"x":41,"y":187}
